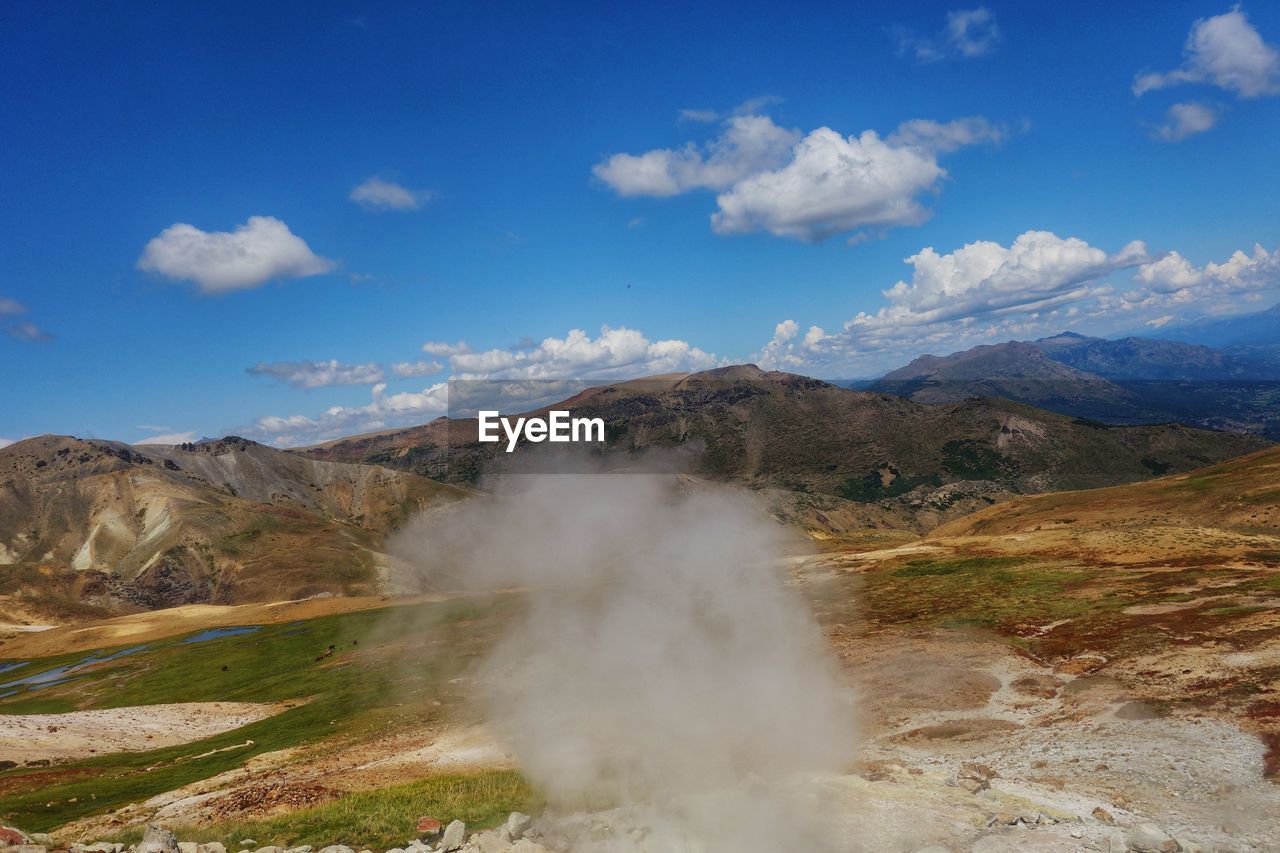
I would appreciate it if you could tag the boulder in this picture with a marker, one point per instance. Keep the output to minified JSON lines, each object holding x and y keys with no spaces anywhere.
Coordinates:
{"x":975,"y":778}
{"x":158,"y":840}
{"x":518,"y":826}
{"x":524,"y":845}
{"x":455,"y":835}
{"x":490,"y":841}
{"x":336,"y":848}
{"x":188,"y":847}
{"x":218,"y":847}
{"x":429,"y":826}
{"x":1101,"y":814}
{"x":1149,"y":838}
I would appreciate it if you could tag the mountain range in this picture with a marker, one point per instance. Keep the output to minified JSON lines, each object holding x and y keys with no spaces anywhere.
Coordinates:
{"x":1126,"y":381}
{"x":90,"y":526}
{"x":773,"y":430}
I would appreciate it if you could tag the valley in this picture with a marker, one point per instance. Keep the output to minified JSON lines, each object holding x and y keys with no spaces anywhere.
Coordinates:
{"x":1051,"y":633}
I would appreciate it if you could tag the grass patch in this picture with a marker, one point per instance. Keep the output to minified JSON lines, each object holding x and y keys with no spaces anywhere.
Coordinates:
{"x":382,"y":818}
{"x":1000,"y":593}
{"x":384,"y":669}
{"x":930,"y":568}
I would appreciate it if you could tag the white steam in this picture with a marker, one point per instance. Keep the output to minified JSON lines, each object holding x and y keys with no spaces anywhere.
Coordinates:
{"x":661,"y":663}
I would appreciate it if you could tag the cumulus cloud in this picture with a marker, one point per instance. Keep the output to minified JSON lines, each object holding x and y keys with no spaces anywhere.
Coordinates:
{"x":1186,"y":119}
{"x":967,"y":34}
{"x":619,"y":353}
{"x":440,"y":349}
{"x":1223,"y":51}
{"x":1173,"y":280}
{"x":978,"y":292}
{"x":261,"y":250}
{"x":17,"y":326}
{"x":749,"y":143}
{"x":168,"y":438}
{"x":383,"y":411}
{"x":376,"y":194}
{"x":407,"y":369}
{"x":804,"y":187}
{"x":614,"y":353}
{"x":318,"y":374}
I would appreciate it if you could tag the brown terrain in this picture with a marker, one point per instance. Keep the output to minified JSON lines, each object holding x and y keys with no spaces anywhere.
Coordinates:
{"x":1036,"y":674}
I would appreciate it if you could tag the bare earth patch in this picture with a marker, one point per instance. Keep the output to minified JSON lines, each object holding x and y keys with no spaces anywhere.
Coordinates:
{"x":79,"y":734}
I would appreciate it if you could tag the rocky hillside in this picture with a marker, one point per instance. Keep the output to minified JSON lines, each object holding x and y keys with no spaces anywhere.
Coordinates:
{"x":91,"y":522}
{"x":781,"y":431}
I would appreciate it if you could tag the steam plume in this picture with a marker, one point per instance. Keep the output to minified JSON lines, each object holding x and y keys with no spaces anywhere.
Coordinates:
{"x":661,"y":663}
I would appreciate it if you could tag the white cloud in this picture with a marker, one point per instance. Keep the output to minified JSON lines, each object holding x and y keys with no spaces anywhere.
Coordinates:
{"x":941,"y":137}
{"x":406,"y":369}
{"x":967,"y":34}
{"x":1173,"y":280}
{"x":983,"y":277}
{"x":383,"y":412}
{"x":376,"y":194}
{"x":16,"y":326}
{"x":832,"y":184}
{"x":318,"y":374}
{"x":261,"y":250}
{"x":807,"y":188}
{"x":25,"y":330}
{"x":445,"y":350}
{"x":700,"y":116}
{"x":1186,"y":119}
{"x":978,"y":293}
{"x":1223,"y":51}
{"x":615,"y":353}
{"x":749,"y":143}
{"x":168,"y":438}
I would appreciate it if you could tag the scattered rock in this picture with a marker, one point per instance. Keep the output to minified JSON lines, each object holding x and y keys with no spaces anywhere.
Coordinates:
{"x":219,"y":847}
{"x":336,"y":848}
{"x":975,"y":777}
{"x":1103,"y":816}
{"x":518,"y":825}
{"x":429,"y":826}
{"x":455,"y":835}
{"x":158,"y":840}
{"x":1149,"y":838}
{"x":524,"y":845}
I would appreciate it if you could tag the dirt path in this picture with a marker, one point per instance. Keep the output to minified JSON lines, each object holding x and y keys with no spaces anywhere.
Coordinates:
{"x":79,"y":734}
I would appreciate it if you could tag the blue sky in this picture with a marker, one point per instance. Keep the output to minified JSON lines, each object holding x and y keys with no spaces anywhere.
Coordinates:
{"x":243,"y":216}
